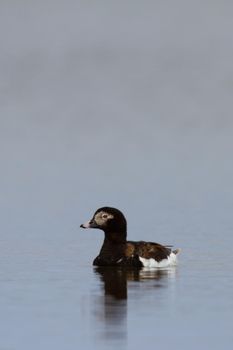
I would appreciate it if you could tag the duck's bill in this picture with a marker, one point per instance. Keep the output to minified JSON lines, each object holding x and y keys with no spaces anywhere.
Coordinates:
{"x":89,"y":224}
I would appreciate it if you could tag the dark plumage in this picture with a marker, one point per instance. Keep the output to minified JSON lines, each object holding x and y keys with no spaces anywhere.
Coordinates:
{"x":116,"y":251}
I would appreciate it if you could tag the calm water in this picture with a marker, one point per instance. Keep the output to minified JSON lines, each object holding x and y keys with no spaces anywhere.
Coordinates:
{"x":120,"y":104}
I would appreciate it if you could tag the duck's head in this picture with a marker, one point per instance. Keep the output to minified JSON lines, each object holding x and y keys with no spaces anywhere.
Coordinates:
{"x":110,"y":220}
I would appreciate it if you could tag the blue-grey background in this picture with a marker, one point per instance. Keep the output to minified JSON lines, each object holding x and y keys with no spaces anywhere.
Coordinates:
{"x":127,"y":104}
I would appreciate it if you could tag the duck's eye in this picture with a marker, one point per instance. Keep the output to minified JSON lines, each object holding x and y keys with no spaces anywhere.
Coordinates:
{"x":105,"y":216}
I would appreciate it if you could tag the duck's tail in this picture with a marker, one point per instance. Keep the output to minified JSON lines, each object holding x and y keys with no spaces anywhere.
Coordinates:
{"x":176,"y":251}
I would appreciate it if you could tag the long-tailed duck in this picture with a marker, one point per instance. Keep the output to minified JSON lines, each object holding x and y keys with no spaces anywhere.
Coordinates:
{"x":117,"y":251}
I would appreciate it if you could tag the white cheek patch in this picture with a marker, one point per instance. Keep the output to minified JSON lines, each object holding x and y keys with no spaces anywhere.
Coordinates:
{"x":170,"y":261}
{"x":100,"y":220}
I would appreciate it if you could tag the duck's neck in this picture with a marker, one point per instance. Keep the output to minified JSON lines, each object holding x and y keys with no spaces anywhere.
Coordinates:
{"x":115,"y":237}
{"x":114,"y":243}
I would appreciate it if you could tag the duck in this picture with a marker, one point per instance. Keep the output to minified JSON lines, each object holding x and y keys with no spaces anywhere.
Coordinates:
{"x":117,"y":251}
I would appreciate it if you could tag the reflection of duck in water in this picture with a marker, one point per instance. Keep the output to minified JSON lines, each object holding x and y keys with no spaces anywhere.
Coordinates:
{"x":110,"y":307}
{"x":115,"y":279}
{"x":116,"y":251}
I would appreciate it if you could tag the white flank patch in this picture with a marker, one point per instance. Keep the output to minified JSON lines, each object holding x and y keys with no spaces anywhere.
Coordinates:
{"x":170,"y":261}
